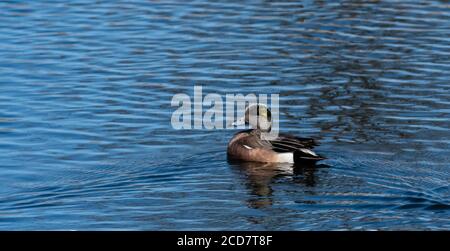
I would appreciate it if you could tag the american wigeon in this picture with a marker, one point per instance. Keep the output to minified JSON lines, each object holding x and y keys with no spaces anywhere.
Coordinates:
{"x":252,"y":145}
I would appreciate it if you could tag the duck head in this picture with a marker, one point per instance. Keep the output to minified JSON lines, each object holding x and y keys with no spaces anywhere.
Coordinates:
{"x":258,"y":116}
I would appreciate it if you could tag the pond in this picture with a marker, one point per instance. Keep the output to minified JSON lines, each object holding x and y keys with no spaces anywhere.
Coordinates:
{"x":86,"y":141}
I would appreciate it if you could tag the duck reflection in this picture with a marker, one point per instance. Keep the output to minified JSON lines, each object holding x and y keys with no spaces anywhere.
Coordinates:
{"x":261,"y":176}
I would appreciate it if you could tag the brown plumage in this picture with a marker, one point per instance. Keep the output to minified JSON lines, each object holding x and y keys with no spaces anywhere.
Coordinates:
{"x":249,"y":146}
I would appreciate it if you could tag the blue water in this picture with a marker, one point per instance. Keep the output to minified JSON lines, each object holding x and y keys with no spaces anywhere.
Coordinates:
{"x":86,"y":141}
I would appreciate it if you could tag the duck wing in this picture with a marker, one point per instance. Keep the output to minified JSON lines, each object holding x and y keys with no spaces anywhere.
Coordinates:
{"x":306,"y":142}
{"x":289,"y":143}
{"x":301,"y":147}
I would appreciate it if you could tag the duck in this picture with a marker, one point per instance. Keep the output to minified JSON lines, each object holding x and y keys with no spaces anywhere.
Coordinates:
{"x":253,"y":145}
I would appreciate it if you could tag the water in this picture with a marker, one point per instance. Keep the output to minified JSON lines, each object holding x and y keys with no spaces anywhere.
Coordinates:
{"x":85,"y":135}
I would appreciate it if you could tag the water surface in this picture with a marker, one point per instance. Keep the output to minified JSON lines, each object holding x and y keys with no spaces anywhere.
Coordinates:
{"x":86,"y":141}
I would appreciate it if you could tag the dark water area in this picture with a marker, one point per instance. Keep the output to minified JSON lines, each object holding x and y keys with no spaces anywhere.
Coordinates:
{"x":86,"y":141}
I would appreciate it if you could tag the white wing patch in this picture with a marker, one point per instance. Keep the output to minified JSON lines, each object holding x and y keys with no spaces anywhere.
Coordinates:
{"x":308,"y":151}
{"x":249,"y":148}
{"x":286,"y":157}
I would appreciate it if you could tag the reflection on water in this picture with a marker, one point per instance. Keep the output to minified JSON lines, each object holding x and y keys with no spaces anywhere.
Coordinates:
{"x":260,"y":176}
{"x":85,"y":135}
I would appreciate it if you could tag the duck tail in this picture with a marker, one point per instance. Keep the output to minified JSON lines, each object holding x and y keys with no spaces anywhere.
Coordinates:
{"x":307,"y":156}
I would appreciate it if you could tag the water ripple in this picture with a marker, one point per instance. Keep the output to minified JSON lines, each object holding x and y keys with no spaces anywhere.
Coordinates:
{"x":85,"y":133}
